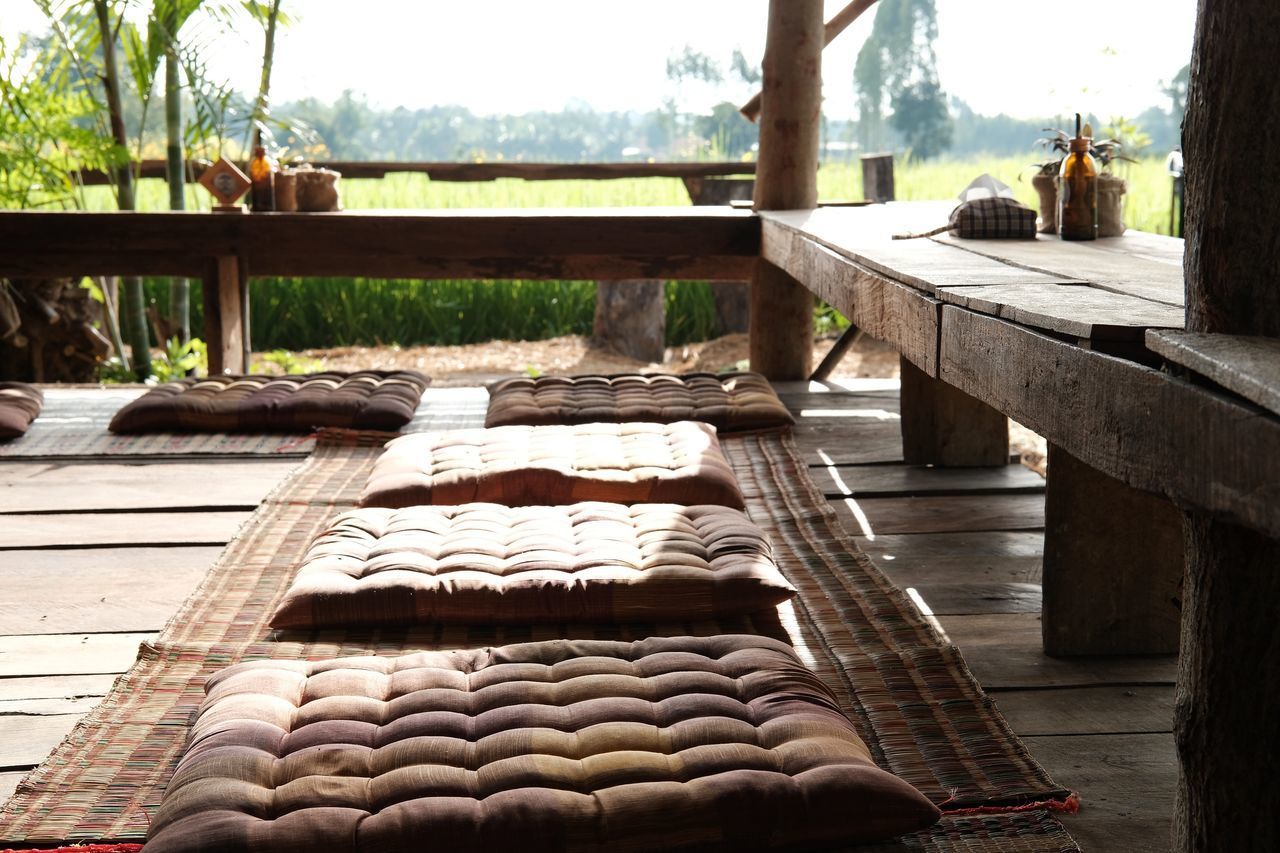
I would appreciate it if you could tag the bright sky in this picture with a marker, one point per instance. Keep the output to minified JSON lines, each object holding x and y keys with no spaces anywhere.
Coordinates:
{"x":1023,"y":57}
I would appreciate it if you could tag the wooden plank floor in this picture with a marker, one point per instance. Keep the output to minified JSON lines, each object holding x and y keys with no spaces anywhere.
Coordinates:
{"x":137,"y":537}
{"x":967,"y":543}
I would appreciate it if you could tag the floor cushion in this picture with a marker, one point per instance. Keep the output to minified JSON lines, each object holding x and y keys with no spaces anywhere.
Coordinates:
{"x":553,"y":465}
{"x":729,"y":402}
{"x":368,"y":399}
{"x":485,"y":563}
{"x":713,"y":743}
{"x":20,"y":404}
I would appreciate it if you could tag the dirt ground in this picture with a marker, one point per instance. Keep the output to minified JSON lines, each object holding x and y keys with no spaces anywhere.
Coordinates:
{"x":475,"y":364}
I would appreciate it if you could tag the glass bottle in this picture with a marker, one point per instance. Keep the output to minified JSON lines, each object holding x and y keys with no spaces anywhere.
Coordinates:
{"x":262,"y":172}
{"x":1078,"y":192}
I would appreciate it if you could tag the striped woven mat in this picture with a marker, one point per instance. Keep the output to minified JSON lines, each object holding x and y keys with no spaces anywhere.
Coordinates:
{"x":908,"y":691}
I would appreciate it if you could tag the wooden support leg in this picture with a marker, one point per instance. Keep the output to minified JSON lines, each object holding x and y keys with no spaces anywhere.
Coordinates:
{"x":837,"y":352}
{"x":1113,"y":565}
{"x":1228,"y":693}
{"x":942,"y":425}
{"x":226,"y":291}
{"x":631,"y":318}
{"x":781,"y":319}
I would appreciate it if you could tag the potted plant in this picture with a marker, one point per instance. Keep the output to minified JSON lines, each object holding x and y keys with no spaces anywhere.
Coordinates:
{"x":1111,"y":188}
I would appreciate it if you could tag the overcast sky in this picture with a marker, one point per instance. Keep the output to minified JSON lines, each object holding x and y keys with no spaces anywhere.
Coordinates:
{"x":1023,"y":57}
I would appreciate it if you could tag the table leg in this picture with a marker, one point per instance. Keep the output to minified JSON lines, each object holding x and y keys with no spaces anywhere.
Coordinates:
{"x":226,"y":315}
{"x":1113,"y":565}
{"x":942,"y":425}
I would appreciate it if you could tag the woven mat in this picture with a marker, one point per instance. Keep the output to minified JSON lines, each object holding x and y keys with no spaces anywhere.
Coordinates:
{"x":74,"y":422}
{"x":909,"y":693}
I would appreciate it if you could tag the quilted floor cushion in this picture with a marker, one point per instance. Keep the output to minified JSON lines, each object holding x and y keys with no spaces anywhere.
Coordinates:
{"x":714,"y":743}
{"x":369,"y":399}
{"x":484,"y":563}
{"x":543,"y":465}
{"x":729,"y":402}
{"x":20,"y":404}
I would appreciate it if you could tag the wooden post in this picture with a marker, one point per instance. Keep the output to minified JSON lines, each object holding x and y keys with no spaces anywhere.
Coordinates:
{"x":877,"y":177}
{"x":1112,"y":565}
{"x":732,"y":298}
{"x":225,"y":315}
{"x":1228,"y":694}
{"x":631,"y":318}
{"x":942,"y":425}
{"x":787,"y":179}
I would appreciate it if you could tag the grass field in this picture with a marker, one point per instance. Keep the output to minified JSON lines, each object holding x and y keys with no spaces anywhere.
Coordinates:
{"x":301,"y":313}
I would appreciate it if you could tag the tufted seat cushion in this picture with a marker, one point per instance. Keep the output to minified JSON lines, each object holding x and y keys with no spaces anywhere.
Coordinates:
{"x":20,"y":404}
{"x":544,"y":465}
{"x":484,"y":563}
{"x":714,"y":743}
{"x":729,"y":402}
{"x":369,"y":399}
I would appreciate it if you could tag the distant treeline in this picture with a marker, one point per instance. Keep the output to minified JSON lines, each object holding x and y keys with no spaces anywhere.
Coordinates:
{"x":350,"y":129}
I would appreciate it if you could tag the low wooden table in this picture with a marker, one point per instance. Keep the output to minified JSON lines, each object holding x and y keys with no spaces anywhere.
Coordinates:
{"x":1053,"y":334}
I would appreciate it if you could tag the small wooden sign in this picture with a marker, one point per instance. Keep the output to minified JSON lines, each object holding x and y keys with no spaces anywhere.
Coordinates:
{"x":226,"y":184}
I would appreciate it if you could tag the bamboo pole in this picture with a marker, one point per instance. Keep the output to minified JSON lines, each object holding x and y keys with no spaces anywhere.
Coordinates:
{"x":787,"y":178}
{"x":834,"y":27}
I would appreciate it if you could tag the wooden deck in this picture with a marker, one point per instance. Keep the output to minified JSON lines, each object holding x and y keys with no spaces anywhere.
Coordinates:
{"x":94,"y":557}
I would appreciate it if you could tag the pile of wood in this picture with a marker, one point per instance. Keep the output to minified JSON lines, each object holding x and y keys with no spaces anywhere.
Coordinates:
{"x":47,"y":331}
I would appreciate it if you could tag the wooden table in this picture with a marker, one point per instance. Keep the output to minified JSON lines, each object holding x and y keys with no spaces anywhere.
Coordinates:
{"x":1055,"y":335}
{"x":226,"y":249}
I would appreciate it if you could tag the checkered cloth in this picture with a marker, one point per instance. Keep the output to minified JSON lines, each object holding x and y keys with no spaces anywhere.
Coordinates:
{"x":986,"y":218}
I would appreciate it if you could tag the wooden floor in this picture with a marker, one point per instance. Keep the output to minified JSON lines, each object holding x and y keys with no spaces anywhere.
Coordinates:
{"x":94,"y":557}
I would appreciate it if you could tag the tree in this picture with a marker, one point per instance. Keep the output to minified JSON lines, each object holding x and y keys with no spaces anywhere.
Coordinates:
{"x":898,"y":64}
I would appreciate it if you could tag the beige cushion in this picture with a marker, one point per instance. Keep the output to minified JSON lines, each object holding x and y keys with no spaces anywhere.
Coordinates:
{"x":369,"y":399}
{"x":714,"y":743}
{"x":552,"y":465}
{"x":729,"y":401}
{"x":482,"y":564}
{"x":20,"y":404}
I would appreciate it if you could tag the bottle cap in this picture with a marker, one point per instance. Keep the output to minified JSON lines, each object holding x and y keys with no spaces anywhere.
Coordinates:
{"x":1079,"y":144}
{"x":259,"y":150}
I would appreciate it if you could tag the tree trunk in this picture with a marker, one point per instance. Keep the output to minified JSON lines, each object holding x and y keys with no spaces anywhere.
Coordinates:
{"x":631,"y":318}
{"x":787,"y":179}
{"x":1228,"y":696}
{"x":261,"y":105}
{"x":175,"y":175}
{"x":134,"y":308}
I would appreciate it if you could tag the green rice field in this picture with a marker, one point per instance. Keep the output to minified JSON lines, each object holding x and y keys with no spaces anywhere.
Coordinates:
{"x":291,"y":313}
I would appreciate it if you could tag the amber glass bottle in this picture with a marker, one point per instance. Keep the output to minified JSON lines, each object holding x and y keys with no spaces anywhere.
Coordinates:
{"x":1078,"y":193}
{"x":262,"y":172}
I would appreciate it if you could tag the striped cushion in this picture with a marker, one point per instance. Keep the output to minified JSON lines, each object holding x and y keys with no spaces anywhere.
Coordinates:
{"x":713,"y":743}
{"x":554,"y":465}
{"x":20,"y":404}
{"x":369,"y":399}
{"x":484,"y":564}
{"x":729,"y":402}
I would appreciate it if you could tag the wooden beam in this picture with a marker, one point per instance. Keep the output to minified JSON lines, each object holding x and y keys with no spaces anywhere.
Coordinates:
{"x":1148,"y":429}
{"x":225,"y":292}
{"x":942,"y":425}
{"x":478,"y":172}
{"x":787,"y":179}
{"x":1247,"y":365}
{"x":1112,"y":565}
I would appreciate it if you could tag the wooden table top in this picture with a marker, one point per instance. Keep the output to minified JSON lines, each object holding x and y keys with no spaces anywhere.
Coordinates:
{"x":1108,"y":289}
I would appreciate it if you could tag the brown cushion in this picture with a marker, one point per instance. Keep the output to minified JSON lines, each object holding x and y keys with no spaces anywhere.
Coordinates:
{"x":369,"y":399}
{"x":484,"y":563}
{"x":20,"y":404}
{"x":729,"y":402}
{"x":552,"y":465}
{"x":717,"y":743}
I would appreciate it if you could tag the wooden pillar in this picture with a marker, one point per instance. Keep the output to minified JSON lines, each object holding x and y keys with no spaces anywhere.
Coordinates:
{"x":877,"y":177}
{"x":631,"y":318}
{"x":1228,"y":694}
{"x":787,"y":179}
{"x":226,"y":294}
{"x":942,"y":425}
{"x":1112,"y":565}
